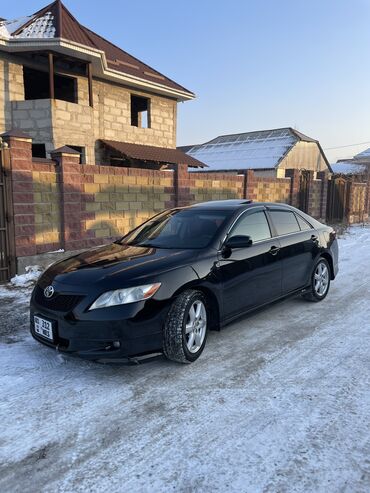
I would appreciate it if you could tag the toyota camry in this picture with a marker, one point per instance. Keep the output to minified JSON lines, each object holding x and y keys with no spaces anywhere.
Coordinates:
{"x":183,"y":272}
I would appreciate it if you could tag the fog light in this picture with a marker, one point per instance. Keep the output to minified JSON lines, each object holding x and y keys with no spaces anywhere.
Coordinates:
{"x":116,"y":344}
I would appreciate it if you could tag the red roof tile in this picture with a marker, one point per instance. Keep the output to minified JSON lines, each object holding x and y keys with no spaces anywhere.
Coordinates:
{"x":68,"y":28}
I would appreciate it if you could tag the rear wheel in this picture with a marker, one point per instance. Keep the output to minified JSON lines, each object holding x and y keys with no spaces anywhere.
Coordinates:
{"x":320,"y":281}
{"x":185,"y":329}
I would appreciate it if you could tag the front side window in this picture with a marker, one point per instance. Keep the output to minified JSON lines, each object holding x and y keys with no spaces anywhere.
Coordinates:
{"x":184,"y":228}
{"x":285,"y":222}
{"x":254,"y":225}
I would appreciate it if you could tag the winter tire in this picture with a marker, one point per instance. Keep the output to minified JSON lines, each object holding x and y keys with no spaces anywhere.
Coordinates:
{"x":320,"y":281}
{"x":185,"y":329}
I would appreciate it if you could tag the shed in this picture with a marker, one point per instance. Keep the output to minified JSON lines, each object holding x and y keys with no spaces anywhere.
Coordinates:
{"x":267,"y":152}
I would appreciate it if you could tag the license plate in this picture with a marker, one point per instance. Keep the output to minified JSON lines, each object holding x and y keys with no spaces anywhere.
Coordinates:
{"x":44,"y":328}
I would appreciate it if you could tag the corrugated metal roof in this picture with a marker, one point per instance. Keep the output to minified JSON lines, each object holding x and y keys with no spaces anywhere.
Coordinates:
{"x":255,"y":150}
{"x":364,"y":155}
{"x":153,"y":153}
{"x":55,"y":20}
{"x":348,"y":167}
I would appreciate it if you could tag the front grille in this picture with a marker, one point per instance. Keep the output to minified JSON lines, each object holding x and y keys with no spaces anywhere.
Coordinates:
{"x":59,"y":302}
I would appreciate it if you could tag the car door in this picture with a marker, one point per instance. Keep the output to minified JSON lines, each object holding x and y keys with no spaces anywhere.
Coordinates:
{"x":250,"y":276}
{"x":299,"y":247}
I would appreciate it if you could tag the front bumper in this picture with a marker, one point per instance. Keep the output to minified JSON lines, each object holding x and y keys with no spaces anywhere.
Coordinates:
{"x":136,"y":328}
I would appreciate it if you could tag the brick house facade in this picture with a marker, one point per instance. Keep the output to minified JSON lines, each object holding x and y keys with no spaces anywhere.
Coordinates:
{"x":62,"y":84}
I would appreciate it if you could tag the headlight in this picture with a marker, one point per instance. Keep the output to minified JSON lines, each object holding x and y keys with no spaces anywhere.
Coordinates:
{"x":125,"y":296}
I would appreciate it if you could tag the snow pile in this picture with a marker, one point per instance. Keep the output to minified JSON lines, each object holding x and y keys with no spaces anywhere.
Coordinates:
{"x":28,"y":279}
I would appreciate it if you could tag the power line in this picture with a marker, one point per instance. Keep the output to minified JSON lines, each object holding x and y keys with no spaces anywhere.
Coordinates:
{"x":348,"y":145}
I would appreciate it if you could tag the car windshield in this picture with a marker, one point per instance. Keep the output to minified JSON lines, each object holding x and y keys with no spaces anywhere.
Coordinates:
{"x":179,"y":228}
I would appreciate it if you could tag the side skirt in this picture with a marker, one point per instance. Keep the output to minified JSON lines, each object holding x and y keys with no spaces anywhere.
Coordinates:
{"x":257,"y":308}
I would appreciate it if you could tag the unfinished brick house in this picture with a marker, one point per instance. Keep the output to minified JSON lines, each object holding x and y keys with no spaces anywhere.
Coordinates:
{"x":64,"y":85}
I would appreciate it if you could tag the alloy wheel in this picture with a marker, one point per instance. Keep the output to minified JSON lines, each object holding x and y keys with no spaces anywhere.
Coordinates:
{"x":321,"y":279}
{"x":196,"y":326}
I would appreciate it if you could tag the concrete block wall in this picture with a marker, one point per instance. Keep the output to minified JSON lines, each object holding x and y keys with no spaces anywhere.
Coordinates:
{"x":74,"y":125}
{"x":11,"y":89}
{"x":315,"y":193}
{"x":47,"y":207}
{"x":57,"y":123}
{"x":117,"y":200}
{"x":273,"y":190}
{"x":215,"y":186}
{"x":34,"y":117}
{"x":59,"y":203}
{"x":112,"y":116}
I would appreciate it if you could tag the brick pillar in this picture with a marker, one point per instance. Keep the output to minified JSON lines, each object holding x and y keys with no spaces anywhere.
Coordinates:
{"x":20,"y":147}
{"x":295,"y":179}
{"x":70,"y":189}
{"x":312,"y":200}
{"x":182,"y":185}
{"x":323,"y":176}
{"x":249,"y":185}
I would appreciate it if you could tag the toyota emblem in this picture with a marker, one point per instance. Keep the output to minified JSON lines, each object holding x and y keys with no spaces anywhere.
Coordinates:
{"x":48,"y":292}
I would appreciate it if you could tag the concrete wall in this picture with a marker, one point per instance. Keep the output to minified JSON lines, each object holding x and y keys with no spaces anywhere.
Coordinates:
{"x":11,"y":89}
{"x":35,"y":118}
{"x":62,"y":204}
{"x":81,"y":125}
{"x":57,"y":123}
{"x":215,"y":186}
{"x":272,"y":189}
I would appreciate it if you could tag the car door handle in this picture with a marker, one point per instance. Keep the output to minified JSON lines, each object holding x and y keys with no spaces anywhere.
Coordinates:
{"x":314,"y":238}
{"x":274,"y":250}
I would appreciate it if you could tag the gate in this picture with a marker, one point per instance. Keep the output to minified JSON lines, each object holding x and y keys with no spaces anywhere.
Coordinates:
{"x":7,"y":249}
{"x":304,"y":190}
{"x":337,"y":200}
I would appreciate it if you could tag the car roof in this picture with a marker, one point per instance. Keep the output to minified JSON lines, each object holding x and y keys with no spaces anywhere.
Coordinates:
{"x":235,"y":204}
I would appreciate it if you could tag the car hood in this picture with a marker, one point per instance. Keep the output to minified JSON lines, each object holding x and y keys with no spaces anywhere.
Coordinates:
{"x":115,"y":262}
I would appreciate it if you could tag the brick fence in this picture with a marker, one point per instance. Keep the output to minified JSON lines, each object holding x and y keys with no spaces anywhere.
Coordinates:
{"x":59,"y":203}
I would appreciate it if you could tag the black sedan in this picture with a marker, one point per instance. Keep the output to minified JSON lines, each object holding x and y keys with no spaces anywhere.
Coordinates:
{"x":187,"y":270}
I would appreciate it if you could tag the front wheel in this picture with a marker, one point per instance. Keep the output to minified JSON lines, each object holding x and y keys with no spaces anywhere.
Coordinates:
{"x":320,"y":281}
{"x":185,"y":329}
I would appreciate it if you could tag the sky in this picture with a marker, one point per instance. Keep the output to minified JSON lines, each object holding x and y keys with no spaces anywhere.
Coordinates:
{"x":253,"y":64}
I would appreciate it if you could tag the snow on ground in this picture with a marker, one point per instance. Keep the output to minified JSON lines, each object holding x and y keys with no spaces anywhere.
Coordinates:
{"x":28,"y":279}
{"x":278,"y":402}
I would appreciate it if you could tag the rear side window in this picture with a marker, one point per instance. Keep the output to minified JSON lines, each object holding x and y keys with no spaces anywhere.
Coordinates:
{"x":285,"y":222}
{"x":254,"y":225}
{"x":302,"y":223}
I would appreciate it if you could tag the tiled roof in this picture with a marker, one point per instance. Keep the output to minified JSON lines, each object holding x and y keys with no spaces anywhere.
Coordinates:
{"x":153,"y":154}
{"x":55,"y":21}
{"x":42,"y":27}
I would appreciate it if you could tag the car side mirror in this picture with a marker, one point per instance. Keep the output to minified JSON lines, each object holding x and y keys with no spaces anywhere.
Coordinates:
{"x":238,"y":241}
